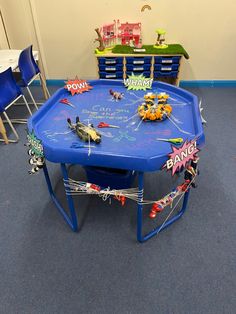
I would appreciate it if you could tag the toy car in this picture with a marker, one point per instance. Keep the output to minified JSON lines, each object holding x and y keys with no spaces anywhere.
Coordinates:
{"x":85,"y":132}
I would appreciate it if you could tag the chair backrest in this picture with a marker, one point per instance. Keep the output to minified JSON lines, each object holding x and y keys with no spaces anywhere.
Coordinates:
{"x":9,"y":90}
{"x":27,"y":65}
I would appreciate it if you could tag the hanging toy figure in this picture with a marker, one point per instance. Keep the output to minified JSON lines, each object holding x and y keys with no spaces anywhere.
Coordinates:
{"x":35,"y":152}
{"x":116,"y":95}
{"x":36,"y":162}
{"x":191,"y":172}
{"x":189,"y":175}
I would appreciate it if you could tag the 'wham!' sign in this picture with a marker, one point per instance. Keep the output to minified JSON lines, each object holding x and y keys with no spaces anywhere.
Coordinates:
{"x":181,"y":156}
{"x":77,"y":86}
{"x":138,"y":82}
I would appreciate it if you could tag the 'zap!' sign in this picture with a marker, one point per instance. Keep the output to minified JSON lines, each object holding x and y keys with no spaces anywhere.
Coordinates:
{"x":181,"y":156}
{"x":77,"y":86}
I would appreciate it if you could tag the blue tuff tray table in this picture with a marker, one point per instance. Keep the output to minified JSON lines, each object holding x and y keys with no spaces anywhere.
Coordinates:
{"x":132,"y":147}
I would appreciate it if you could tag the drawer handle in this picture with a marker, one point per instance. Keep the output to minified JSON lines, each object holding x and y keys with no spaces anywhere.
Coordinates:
{"x":166,"y":69}
{"x":110,"y":76}
{"x":110,"y":69}
{"x":110,"y":62}
{"x":167,"y":61}
{"x":138,"y":69}
{"x":138,"y":62}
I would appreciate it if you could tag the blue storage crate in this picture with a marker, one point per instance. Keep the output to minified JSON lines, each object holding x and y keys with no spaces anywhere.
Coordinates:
{"x":111,"y":68}
{"x":110,"y":60}
{"x":165,"y":74}
{"x":167,"y":60}
{"x":138,"y":60}
{"x":134,"y":68}
{"x":145,"y":73}
{"x":161,"y":67}
{"x":113,"y":75}
{"x":114,"y":178}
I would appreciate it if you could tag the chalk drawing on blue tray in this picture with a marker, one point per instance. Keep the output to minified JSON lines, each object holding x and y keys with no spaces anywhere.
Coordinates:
{"x":51,"y":136}
{"x":106,"y":134}
{"x":135,"y":101}
{"x":124,"y":135}
{"x":103,"y":112}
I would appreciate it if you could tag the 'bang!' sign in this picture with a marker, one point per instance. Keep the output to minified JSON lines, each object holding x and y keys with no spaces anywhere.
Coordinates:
{"x":77,"y":86}
{"x":181,"y":156}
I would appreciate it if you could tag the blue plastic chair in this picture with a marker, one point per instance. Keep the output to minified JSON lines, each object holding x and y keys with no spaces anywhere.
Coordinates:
{"x":10,"y":92}
{"x":30,"y":71}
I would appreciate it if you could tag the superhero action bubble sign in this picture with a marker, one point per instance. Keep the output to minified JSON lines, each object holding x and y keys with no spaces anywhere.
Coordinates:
{"x":138,"y":82}
{"x":77,"y":86}
{"x":180,"y":156}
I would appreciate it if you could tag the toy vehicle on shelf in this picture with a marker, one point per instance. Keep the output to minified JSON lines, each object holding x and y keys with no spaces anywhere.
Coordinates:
{"x":149,"y":110}
{"x":85,"y":132}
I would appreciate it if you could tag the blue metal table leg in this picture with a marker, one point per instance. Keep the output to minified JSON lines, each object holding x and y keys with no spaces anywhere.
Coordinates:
{"x":71,"y":221}
{"x":167,"y":223}
{"x":140,"y":207}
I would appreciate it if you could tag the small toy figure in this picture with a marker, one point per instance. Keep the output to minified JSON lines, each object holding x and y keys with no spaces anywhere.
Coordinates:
{"x":85,"y":132}
{"x":37,"y":161}
{"x":92,"y":188}
{"x":35,"y":151}
{"x":191,"y":171}
{"x":116,"y":95}
{"x":160,"y":205}
{"x":120,"y":198}
{"x":160,"y":38}
{"x":162,"y":98}
{"x":149,"y":98}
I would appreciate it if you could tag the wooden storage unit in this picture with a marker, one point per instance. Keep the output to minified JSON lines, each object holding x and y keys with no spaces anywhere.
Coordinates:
{"x":159,"y":67}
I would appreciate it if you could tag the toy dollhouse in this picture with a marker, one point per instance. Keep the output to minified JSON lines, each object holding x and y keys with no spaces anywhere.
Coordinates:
{"x":121,"y":33}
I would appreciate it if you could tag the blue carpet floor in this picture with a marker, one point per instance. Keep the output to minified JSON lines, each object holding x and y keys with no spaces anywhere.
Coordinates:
{"x":188,"y":268}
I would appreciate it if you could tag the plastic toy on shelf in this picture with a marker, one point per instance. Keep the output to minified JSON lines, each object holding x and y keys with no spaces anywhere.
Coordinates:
{"x":149,"y":110}
{"x":160,"y":39}
{"x":115,"y":33}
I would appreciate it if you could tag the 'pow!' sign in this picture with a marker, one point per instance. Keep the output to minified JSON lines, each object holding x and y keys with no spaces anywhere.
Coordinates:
{"x":77,"y":86}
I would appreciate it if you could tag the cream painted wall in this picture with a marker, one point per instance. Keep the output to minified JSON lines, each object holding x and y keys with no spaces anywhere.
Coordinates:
{"x":65,"y":32}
